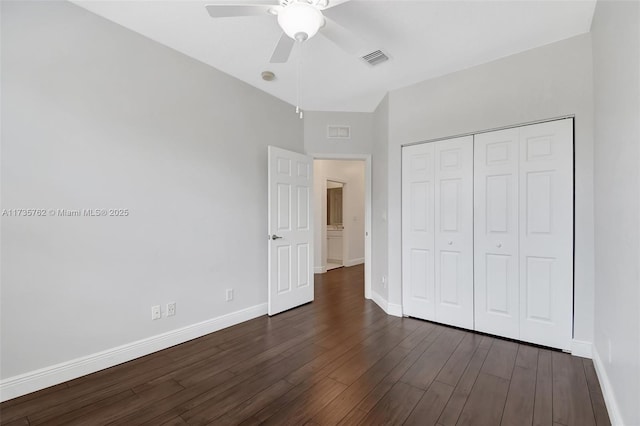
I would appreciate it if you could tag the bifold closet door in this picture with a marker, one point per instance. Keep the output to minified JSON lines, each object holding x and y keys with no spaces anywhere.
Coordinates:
{"x":454,"y":231}
{"x":496,"y":240}
{"x":418,"y":290}
{"x":546,"y":233}
{"x":523,"y":244}
{"x":437,"y":231}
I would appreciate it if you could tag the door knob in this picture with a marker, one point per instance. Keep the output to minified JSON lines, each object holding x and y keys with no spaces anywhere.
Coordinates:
{"x":450,"y":243}
{"x":275,"y":237}
{"x":499,"y":245}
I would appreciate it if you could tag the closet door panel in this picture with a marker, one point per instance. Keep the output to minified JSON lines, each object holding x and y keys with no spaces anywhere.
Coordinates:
{"x":546,"y":233}
{"x":418,"y":231}
{"x":454,"y":231}
{"x":496,"y":277}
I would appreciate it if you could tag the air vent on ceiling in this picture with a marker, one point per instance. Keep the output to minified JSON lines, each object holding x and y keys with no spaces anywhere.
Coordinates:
{"x":338,"y":132}
{"x":375,"y":58}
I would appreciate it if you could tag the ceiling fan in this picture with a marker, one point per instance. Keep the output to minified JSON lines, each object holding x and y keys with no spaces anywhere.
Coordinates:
{"x":299,"y":19}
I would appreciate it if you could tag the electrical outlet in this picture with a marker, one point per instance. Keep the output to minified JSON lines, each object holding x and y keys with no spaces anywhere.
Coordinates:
{"x":171,"y":309}
{"x":229,"y":297}
{"x":155,"y":312}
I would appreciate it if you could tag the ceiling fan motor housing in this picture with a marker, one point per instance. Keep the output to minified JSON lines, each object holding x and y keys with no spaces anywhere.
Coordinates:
{"x":300,"y":20}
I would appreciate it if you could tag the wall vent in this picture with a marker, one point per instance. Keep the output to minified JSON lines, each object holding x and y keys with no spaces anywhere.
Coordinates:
{"x":338,"y":132}
{"x":375,"y":58}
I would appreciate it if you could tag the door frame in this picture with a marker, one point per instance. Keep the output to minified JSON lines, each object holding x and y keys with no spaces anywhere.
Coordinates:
{"x":367,"y":209}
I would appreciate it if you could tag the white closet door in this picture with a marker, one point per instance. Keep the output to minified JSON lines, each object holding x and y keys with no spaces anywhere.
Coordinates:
{"x":417,"y":231}
{"x":496,"y":277}
{"x":546,"y":233}
{"x":454,"y":231}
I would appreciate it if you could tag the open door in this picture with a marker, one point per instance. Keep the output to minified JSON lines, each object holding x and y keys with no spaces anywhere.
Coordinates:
{"x":290,"y":230}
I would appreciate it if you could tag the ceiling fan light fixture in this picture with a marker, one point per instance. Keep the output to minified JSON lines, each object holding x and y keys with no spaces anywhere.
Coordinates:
{"x":300,"y":20}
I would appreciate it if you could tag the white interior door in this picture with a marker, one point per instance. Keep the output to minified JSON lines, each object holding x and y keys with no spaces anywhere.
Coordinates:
{"x":418,"y":290}
{"x":546,"y":233}
{"x":496,"y":276}
{"x":290,"y":230}
{"x":453,"y":235}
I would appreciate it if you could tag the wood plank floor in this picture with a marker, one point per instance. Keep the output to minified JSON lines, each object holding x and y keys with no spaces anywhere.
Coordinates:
{"x":338,"y":360}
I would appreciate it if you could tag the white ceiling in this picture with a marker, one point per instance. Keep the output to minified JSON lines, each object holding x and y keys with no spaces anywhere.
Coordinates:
{"x":424,"y":39}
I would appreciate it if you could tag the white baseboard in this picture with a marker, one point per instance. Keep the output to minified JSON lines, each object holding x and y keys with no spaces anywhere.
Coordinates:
{"x":354,"y":262}
{"x":32,"y":381}
{"x":581,"y":348}
{"x":607,"y":390}
{"x":319,"y":269}
{"x":379,"y":300}
{"x":389,"y":308}
{"x":394,"y":309}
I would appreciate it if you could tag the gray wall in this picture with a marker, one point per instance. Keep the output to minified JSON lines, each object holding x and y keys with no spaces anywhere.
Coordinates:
{"x":616,"y":48}
{"x":96,"y":116}
{"x":379,"y":199}
{"x":542,"y":83}
{"x":315,"y":132}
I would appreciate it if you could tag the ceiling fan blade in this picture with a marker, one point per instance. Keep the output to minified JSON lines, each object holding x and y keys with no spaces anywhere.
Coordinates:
{"x":334,"y":3}
{"x":283,"y":50}
{"x":228,"y":10}
{"x":342,"y":37}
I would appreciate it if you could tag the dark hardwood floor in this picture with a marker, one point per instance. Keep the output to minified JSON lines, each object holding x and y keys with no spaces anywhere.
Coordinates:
{"x":338,"y":360}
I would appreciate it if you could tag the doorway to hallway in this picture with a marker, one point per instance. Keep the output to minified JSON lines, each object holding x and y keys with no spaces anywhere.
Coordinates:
{"x":340,"y":220}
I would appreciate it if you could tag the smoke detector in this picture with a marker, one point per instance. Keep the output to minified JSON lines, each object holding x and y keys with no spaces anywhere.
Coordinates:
{"x":268,"y":76}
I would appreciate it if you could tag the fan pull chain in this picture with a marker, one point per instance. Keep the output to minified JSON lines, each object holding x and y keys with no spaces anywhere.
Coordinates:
{"x":298,"y":90}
